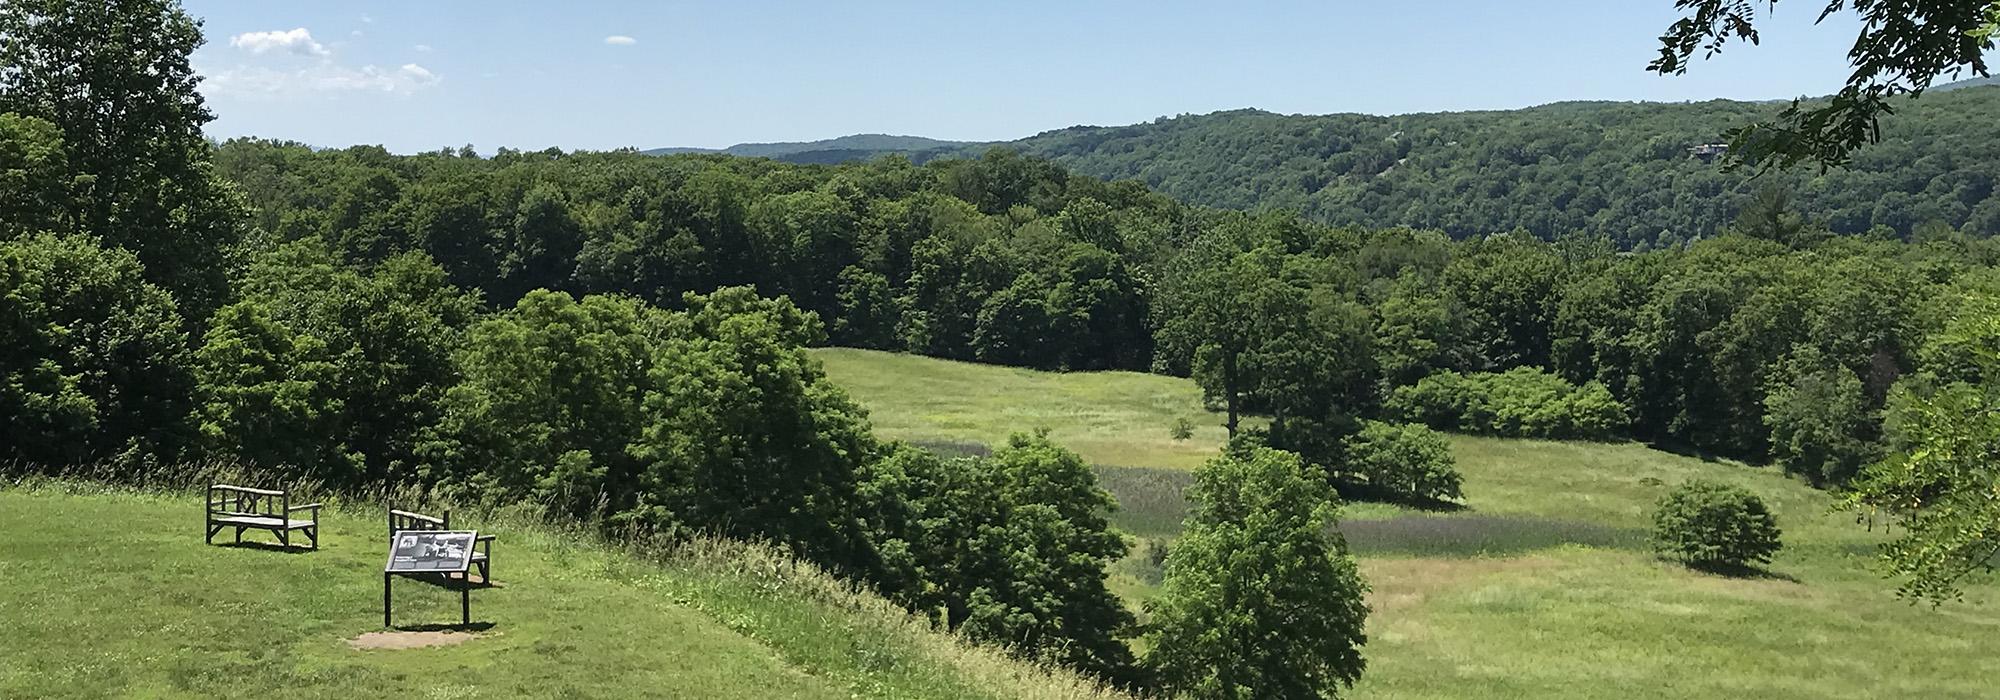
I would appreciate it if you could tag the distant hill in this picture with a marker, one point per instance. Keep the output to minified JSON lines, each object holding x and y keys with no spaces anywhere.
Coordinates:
{"x":834,"y":150}
{"x":1621,"y":169}
{"x":1969,"y":82}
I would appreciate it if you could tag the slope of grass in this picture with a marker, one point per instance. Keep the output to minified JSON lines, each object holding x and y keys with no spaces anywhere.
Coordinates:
{"x":112,"y":593}
{"x":1120,"y":418}
{"x":1542,"y":586}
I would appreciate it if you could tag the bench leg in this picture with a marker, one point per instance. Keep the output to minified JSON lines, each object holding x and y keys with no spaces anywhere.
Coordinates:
{"x":239,"y":535}
{"x":212,"y":529}
{"x":486,"y":573}
{"x":285,"y":538}
{"x":312,"y":535}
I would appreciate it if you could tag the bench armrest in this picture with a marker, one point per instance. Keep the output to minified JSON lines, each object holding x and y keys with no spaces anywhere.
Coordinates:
{"x":309,"y":506}
{"x":486,"y":538}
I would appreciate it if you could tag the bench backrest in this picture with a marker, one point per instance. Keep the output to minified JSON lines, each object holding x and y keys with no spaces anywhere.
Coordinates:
{"x":224,"y":499}
{"x":411,"y":520}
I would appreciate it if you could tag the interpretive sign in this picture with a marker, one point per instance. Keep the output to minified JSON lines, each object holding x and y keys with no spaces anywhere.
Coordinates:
{"x":415,"y":553}
{"x":430,"y":551}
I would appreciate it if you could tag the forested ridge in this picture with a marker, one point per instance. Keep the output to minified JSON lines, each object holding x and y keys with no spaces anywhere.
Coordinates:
{"x":1614,"y":168}
{"x":1620,"y":169}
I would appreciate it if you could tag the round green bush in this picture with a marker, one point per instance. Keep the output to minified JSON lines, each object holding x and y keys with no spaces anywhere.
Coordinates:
{"x":1708,"y":524}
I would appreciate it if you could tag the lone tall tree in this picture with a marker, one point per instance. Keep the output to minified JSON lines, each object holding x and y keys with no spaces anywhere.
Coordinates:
{"x":1259,"y":600}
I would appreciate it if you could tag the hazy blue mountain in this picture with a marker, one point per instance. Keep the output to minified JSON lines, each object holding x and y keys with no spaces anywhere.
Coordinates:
{"x":834,"y":150}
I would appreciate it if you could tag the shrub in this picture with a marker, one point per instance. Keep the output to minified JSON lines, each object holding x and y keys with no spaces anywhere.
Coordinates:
{"x":1403,"y":460}
{"x":1183,"y":429}
{"x":1704,"y":523}
{"x":1440,"y":401}
{"x":1521,"y":402}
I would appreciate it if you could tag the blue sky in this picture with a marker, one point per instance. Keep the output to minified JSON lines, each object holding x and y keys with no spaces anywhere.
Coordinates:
{"x":417,"y":76}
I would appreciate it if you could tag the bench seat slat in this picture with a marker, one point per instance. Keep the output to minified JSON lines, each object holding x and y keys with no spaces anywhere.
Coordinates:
{"x":246,"y":489}
{"x":264,"y":522}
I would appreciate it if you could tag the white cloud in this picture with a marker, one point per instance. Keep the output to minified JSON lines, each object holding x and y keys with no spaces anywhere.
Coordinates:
{"x":365,"y":19}
{"x":422,"y":76}
{"x":620,"y":40}
{"x":298,"y":41}
{"x":424,"y":48}
{"x":323,"y":79}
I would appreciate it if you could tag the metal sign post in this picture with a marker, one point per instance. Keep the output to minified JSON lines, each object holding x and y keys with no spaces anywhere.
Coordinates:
{"x":424,"y":553}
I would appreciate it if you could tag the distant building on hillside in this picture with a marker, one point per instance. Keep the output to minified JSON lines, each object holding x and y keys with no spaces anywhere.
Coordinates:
{"x":1708,"y":151}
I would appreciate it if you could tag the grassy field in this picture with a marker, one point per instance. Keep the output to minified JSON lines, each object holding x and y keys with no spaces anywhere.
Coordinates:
{"x":113,"y":593}
{"x":1542,"y":586}
{"x":1119,"y":418}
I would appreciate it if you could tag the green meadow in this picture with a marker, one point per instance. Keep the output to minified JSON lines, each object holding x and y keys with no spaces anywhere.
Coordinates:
{"x":1541,"y":586}
{"x":1120,"y":418}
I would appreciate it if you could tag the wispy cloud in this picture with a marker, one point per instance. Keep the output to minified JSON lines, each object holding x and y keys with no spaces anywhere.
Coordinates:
{"x":425,"y":48}
{"x":298,"y":41}
{"x":620,"y":40}
{"x":322,"y":79}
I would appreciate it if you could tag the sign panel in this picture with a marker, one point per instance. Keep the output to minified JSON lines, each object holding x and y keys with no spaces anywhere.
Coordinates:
{"x":430,"y":551}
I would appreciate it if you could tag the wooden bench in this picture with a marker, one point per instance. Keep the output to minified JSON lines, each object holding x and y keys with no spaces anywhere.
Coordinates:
{"x":246,"y":508}
{"x":482,"y":548}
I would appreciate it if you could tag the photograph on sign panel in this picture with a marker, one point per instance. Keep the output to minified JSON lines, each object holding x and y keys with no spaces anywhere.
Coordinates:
{"x":430,"y":551}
